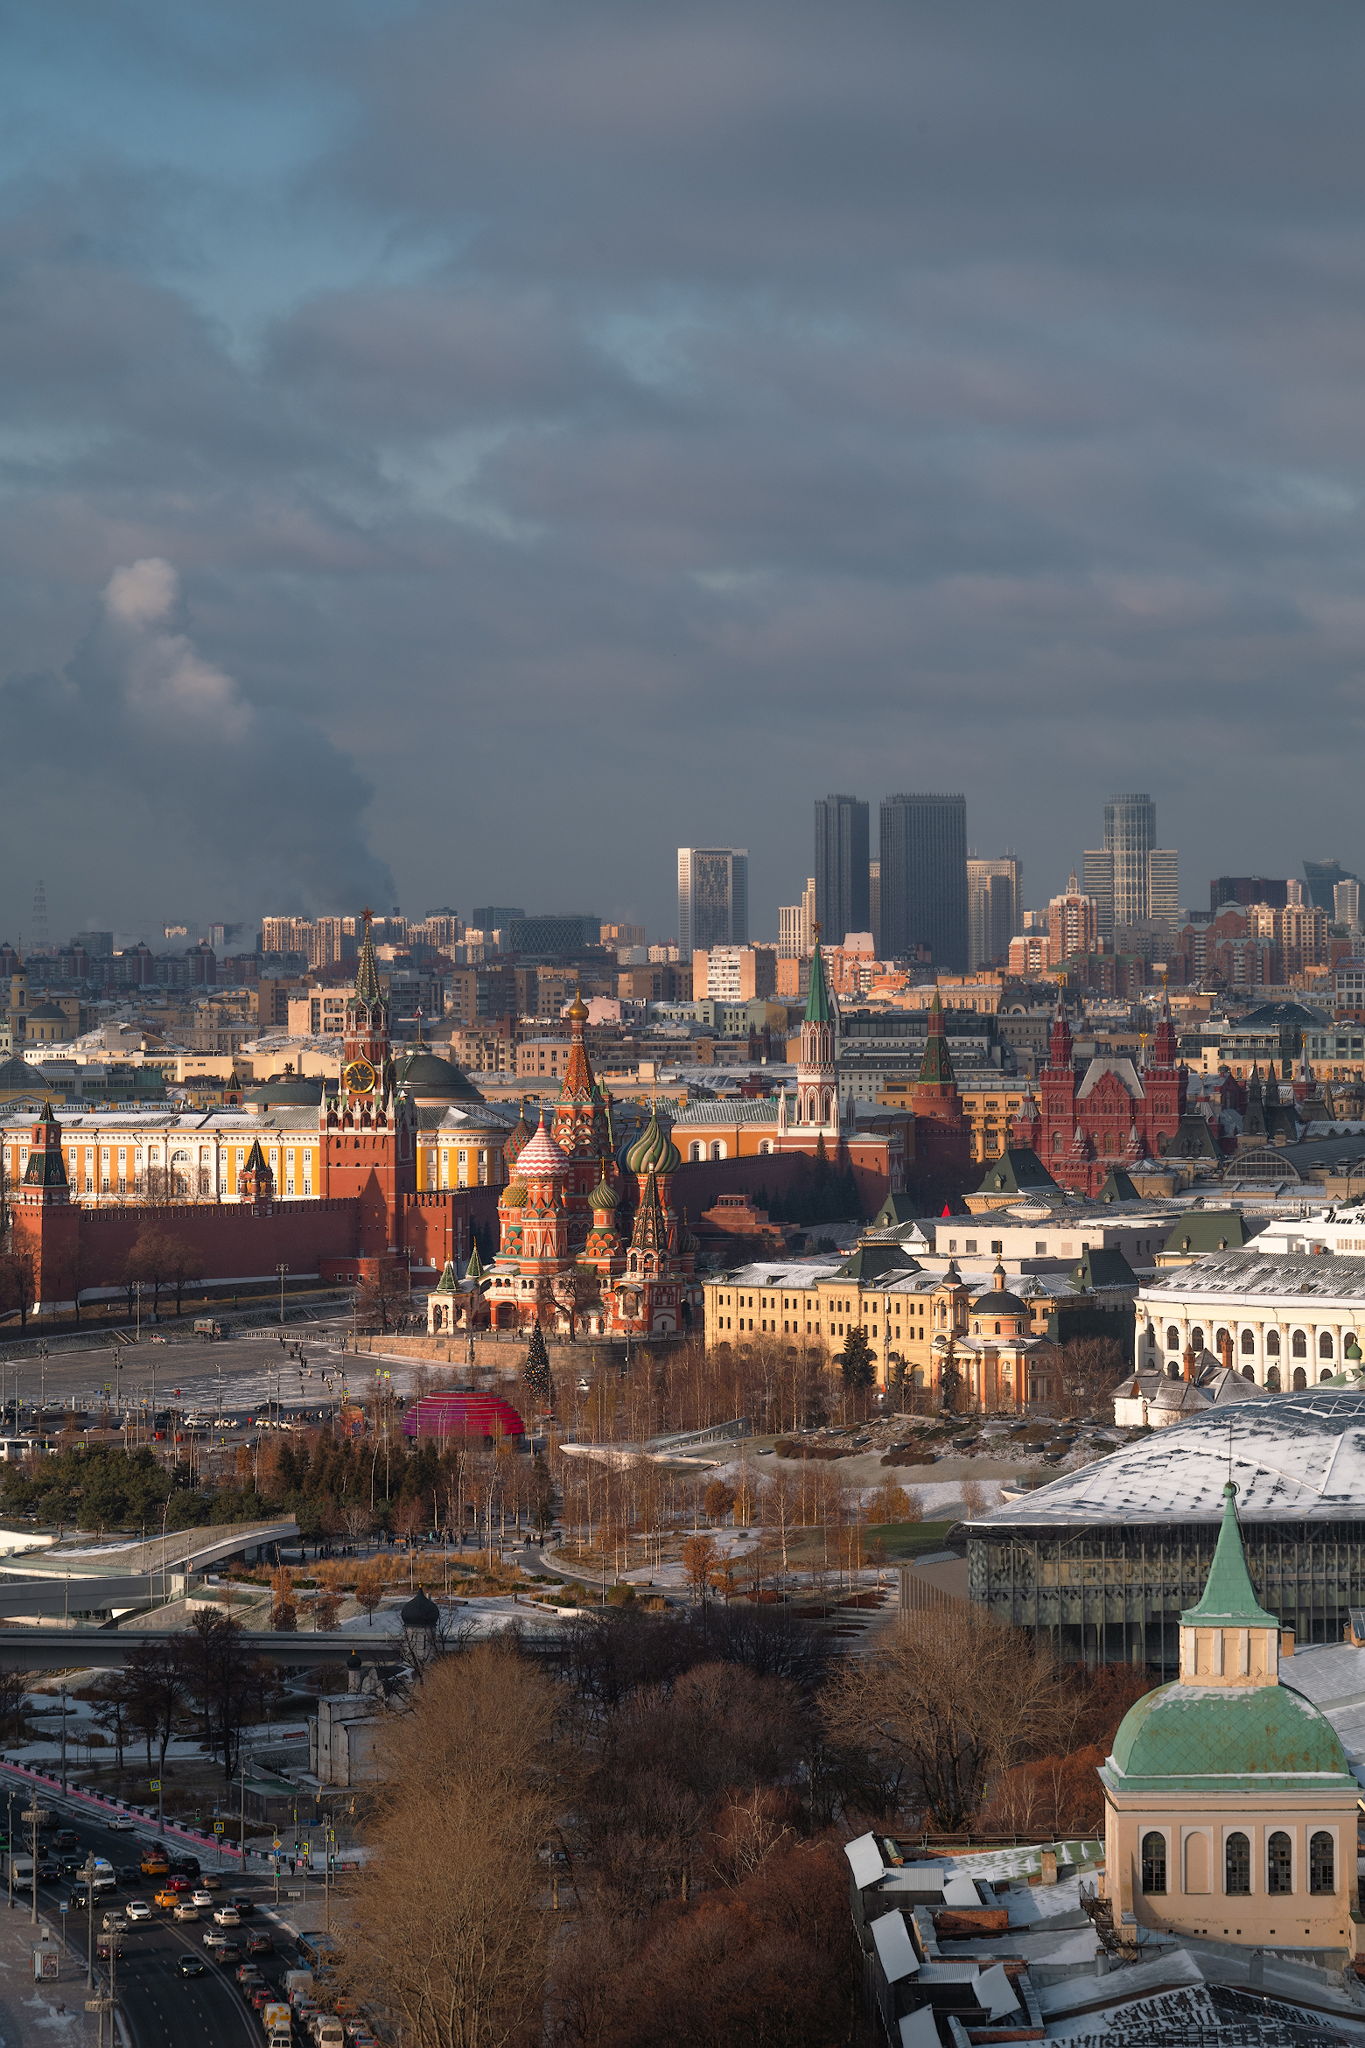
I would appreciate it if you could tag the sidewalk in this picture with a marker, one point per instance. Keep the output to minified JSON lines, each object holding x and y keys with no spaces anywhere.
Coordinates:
{"x":53,"y":2012}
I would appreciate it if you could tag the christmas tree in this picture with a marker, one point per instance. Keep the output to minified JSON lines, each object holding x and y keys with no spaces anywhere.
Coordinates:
{"x":536,"y":1372}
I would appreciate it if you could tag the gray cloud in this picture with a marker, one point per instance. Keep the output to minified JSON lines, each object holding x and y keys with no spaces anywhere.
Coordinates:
{"x":685,"y":411}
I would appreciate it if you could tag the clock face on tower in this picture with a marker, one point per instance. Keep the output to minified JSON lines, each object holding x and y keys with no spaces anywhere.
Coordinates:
{"x":359,"y":1077}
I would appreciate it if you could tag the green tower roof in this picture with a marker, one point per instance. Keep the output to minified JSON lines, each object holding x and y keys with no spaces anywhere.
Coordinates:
{"x":1229,"y":1598}
{"x":1248,"y":1738}
{"x":817,"y":1001}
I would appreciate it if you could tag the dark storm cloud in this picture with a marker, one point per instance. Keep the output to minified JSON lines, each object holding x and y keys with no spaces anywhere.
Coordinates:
{"x":612,"y":425}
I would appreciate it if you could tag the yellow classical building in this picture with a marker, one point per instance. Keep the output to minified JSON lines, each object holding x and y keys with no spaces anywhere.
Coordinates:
{"x":1230,"y":1809}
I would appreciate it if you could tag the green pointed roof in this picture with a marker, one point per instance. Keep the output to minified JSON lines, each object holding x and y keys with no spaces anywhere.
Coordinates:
{"x":817,"y":1002}
{"x":474,"y":1270}
{"x":1229,"y":1598}
{"x":936,"y":1068}
{"x":1118,"y":1187}
{"x":447,"y":1284}
{"x":367,"y":986}
{"x":1017,"y":1171}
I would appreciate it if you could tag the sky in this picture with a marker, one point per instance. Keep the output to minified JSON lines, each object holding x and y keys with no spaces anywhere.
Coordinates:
{"x":458,"y":452}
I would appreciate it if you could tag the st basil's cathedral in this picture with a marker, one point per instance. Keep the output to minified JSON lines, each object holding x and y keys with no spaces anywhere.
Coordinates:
{"x":587,"y":1246}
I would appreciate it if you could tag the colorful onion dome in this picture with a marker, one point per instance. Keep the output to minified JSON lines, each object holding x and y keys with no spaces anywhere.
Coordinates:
{"x":513,"y":1195}
{"x":542,"y":1159}
{"x":654,"y":1151}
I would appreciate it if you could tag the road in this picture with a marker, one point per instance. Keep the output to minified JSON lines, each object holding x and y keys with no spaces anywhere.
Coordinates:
{"x":162,"y":2009}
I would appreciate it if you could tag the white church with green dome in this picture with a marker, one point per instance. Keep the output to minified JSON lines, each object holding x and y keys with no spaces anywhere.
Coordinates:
{"x":1230,"y":1809}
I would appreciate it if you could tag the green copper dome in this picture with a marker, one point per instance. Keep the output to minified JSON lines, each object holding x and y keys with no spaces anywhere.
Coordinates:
{"x":654,"y":1151}
{"x":604,"y":1196}
{"x":1201,"y":1737}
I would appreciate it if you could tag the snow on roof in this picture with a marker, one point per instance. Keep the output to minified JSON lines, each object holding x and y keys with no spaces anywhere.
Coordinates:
{"x":1293,"y":1457}
{"x":1228,"y":1276}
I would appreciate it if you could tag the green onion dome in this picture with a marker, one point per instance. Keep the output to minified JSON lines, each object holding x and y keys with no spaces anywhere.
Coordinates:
{"x":654,"y":1151}
{"x":604,"y":1196}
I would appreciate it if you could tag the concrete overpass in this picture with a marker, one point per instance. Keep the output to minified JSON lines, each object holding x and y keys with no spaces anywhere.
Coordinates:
{"x":104,"y":1649}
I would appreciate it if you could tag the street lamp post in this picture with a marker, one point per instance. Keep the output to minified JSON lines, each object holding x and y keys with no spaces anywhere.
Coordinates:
{"x":33,"y":1817}
{"x":61,"y":1694}
{"x":281,"y":1270}
{"x":88,"y":1873}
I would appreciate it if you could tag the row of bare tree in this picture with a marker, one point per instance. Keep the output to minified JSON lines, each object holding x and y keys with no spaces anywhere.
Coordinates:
{"x":642,"y":1843}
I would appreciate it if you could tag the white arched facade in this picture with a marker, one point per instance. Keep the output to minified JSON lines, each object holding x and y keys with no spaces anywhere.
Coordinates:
{"x":1287,"y":1336}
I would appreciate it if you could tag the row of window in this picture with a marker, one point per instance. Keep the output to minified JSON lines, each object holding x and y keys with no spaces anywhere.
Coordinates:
{"x":1298,"y":1342}
{"x":1279,"y":1864}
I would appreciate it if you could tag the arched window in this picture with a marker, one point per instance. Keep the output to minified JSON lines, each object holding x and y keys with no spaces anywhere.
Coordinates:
{"x":1197,"y":1338}
{"x":1248,"y":1343}
{"x":696,"y":1150}
{"x":1300,"y":1380}
{"x":1326,"y":1347}
{"x":1237,"y":1865}
{"x":717,"y":1149}
{"x":1272,"y":1344}
{"x":1279,"y":1863}
{"x":1221,"y":1337}
{"x":1172,"y":1337}
{"x":1322,"y":1862}
{"x":1298,"y":1344}
{"x":1154,"y":1862}
{"x":1248,"y":1372}
{"x":1324,"y":1375}
{"x":1272,"y":1379}
{"x":765,"y":1144}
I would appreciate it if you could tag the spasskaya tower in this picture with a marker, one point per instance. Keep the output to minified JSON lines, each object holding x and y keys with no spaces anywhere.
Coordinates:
{"x":368,"y":1129}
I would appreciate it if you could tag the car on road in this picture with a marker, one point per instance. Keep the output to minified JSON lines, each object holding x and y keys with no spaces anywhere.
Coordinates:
{"x":120,"y":1824}
{"x":185,"y":1911}
{"x":179,"y":1884}
{"x":211,"y":1883}
{"x":243,"y":1904}
{"x":229,"y":1954}
{"x":190,"y":1965}
{"x":129,"y":1873}
{"x":260,"y":1945}
{"x":227,"y":1916}
{"x":166,"y":1898}
{"x":248,"y":1976}
{"x":185,"y":1866}
{"x":200,"y":1897}
{"x":49,"y":1870}
{"x":138,"y":1909}
{"x":66,"y":1838}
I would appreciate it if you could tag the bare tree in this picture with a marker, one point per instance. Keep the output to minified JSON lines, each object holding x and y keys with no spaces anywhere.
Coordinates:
{"x":953,"y":1698}
{"x":448,"y":1940}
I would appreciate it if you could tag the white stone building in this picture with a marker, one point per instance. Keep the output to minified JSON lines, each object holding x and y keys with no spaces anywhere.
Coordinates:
{"x":1284,"y":1322}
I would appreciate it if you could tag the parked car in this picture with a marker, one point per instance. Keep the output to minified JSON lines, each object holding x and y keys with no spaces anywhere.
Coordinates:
{"x":138,"y":1909}
{"x":189,"y":1965}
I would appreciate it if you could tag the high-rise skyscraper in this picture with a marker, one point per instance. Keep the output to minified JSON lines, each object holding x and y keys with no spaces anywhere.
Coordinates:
{"x":924,"y":879}
{"x":1322,"y":877}
{"x":993,"y":889}
{"x":1163,"y":885}
{"x":1129,"y":835}
{"x":713,"y":898}
{"x":1132,"y":879}
{"x":796,"y":925}
{"x":841,"y":860}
